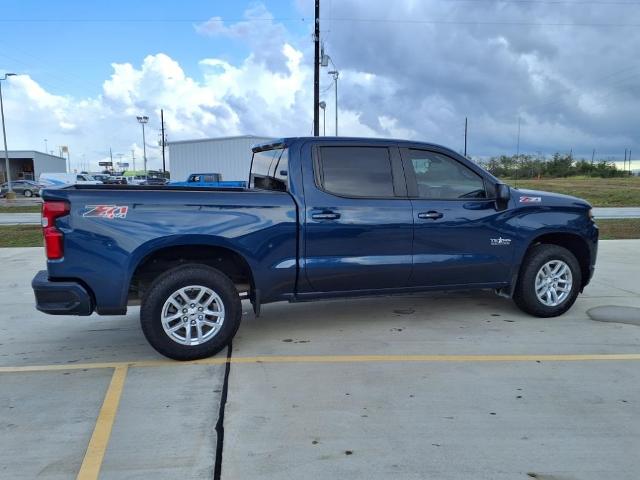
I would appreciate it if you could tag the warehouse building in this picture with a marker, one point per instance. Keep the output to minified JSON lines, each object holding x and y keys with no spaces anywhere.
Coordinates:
{"x":29,"y":164}
{"x":229,"y":156}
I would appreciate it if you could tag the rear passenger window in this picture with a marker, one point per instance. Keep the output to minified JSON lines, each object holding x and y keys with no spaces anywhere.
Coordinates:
{"x":356,"y":171}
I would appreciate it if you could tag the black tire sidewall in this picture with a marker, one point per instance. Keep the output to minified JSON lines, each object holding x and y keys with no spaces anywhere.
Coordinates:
{"x":168,"y":283}
{"x":525,"y":295}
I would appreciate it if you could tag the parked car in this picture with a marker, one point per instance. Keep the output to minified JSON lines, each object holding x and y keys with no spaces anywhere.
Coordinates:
{"x":210,"y":180}
{"x":28,"y":188}
{"x":322,"y":217}
{"x":154,"y":181}
{"x":63,"y":179}
{"x":101,"y":177}
{"x":117,"y":180}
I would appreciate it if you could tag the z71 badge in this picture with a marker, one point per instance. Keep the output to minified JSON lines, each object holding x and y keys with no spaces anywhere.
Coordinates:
{"x":106,"y":211}
{"x":530,"y":199}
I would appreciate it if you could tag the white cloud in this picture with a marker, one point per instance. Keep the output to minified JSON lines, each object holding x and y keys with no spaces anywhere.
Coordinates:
{"x":398,"y":80}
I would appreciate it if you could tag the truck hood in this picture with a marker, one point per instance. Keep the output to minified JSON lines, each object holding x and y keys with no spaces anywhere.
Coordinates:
{"x":537,"y":197}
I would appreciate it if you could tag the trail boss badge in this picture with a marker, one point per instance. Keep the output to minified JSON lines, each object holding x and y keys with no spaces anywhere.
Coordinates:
{"x":530,"y":199}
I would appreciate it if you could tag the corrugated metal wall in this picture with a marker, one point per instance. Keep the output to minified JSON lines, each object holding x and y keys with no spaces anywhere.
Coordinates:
{"x":229,"y":156}
{"x":48,"y":163}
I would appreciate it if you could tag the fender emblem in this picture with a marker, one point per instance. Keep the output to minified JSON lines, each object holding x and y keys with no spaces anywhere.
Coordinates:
{"x":500,"y":241}
{"x":530,"y":199}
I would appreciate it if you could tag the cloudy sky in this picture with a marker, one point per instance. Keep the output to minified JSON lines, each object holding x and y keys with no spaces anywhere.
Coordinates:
{"x":409,"y":68}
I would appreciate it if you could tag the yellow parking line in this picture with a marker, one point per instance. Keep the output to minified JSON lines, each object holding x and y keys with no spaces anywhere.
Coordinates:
{"x":92,"y":461}
{"x":332,"y":359}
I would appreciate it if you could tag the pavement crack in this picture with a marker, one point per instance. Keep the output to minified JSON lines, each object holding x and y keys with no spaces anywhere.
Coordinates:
{"x":217,"y":469}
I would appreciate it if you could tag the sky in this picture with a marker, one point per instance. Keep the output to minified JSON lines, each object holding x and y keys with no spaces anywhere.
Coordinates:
{"x":566,"y":70}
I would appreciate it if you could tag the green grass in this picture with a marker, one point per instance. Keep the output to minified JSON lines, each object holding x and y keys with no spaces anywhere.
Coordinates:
{"x":20,"y":236}
{"x":20,"y":209}
{"x":618,"y":229}
{"x":600,"y":192}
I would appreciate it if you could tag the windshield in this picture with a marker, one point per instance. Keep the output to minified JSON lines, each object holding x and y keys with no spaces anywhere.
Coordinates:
{"x":270,"y":169}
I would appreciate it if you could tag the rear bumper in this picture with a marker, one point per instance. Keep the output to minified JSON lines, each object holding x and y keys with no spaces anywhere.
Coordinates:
{"x":60,"y":298}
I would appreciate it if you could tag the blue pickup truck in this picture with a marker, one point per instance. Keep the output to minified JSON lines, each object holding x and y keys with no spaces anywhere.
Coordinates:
{"x":209,"y":180}
{"x":321,"y":218}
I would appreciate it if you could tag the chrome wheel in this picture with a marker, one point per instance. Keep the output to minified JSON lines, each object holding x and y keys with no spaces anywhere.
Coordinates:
{"x":553,"y":283}
{"x":192,"y":315}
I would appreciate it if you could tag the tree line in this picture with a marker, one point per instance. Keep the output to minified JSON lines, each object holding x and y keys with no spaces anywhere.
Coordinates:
{"x":559,"y":165}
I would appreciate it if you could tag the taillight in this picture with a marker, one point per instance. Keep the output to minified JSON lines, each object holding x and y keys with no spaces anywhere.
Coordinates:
{"x":53,"y":238}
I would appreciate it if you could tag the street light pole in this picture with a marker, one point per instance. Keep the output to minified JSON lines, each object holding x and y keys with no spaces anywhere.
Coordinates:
{"x":335,"y":74}
{"x":323,"y":106}
{"x":4,"y":135}
{"x":144,"y":119}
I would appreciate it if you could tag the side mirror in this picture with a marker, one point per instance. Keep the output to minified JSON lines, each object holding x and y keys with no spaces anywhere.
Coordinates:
{"x":503,"y":192}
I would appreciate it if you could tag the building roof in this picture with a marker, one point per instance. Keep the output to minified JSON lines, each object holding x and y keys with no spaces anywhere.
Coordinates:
{"x":215,"y":139}
{"x":27,"y":154}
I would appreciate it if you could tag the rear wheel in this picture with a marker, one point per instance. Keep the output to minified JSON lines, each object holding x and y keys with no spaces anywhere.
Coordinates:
{"x":28,"y":193}
{"x":190,"y":312}
{"x":549,"y":281}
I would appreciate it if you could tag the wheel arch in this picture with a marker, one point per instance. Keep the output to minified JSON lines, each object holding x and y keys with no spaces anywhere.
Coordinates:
{"x":159,"y":258}
{"x":573,"y":242}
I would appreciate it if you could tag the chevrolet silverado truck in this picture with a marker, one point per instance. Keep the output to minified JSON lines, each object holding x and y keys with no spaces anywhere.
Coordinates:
{"x":321,"y":218}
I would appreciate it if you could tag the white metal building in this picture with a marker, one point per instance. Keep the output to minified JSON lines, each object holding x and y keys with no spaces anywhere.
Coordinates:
{"x":229,"y":156}
{"x":29,"y":164}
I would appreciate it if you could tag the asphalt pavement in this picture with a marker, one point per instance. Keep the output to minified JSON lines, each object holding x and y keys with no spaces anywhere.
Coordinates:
{"x":448,"y":386}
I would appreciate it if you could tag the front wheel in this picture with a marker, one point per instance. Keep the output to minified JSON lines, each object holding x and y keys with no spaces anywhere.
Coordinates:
{"x":549,"y":281}
{"x":28,"y":193}
{"x":190,"y":312}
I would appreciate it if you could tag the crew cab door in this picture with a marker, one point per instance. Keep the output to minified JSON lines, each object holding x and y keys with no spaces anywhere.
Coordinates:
{"x":459,"y":236}
{"x":358,"y":221}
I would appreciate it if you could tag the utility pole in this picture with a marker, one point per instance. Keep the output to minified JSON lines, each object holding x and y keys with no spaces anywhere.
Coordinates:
{"x":164,"y":170}
{"x":316,"y":72}
{"x":630,"y":172}
{"x":111,"y":157}
{"x":465,"y":136}
{"x":593,"y":156}
{"x":133,"y":160}
{"x":624,"y":162}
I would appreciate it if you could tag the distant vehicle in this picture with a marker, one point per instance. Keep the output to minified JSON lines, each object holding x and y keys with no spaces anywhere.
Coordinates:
{"x":28,"y":188}
{"x":61,"y":179}
{"x":209,"y":180}
{"x":136,"y":179}
{"x":154,"y":181}
{"x":101,"y":177}
{"x":323,"y":217}
{"x":117,"y":180}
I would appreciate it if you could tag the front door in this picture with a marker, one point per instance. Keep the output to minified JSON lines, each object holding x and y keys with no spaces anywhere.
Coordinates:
{"x":459,"y":236}
{"x":358,"y":220}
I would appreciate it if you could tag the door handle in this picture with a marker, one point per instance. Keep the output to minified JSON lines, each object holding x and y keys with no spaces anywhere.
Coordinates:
{"x":430,"y":215}
{"x":325,"y":216}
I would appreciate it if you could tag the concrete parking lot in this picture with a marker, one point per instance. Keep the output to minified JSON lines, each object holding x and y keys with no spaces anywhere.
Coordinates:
{"x":443,"y":386}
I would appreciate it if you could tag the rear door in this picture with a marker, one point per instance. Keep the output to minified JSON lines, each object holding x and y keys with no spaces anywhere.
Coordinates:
{"x":358,"y":221}
{"x":458,"y":237}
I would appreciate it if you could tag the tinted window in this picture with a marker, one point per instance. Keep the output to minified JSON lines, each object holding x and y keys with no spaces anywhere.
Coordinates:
{"x":270,"y":169}
{"x":441,"y":177}
{"x":356,"y":171}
